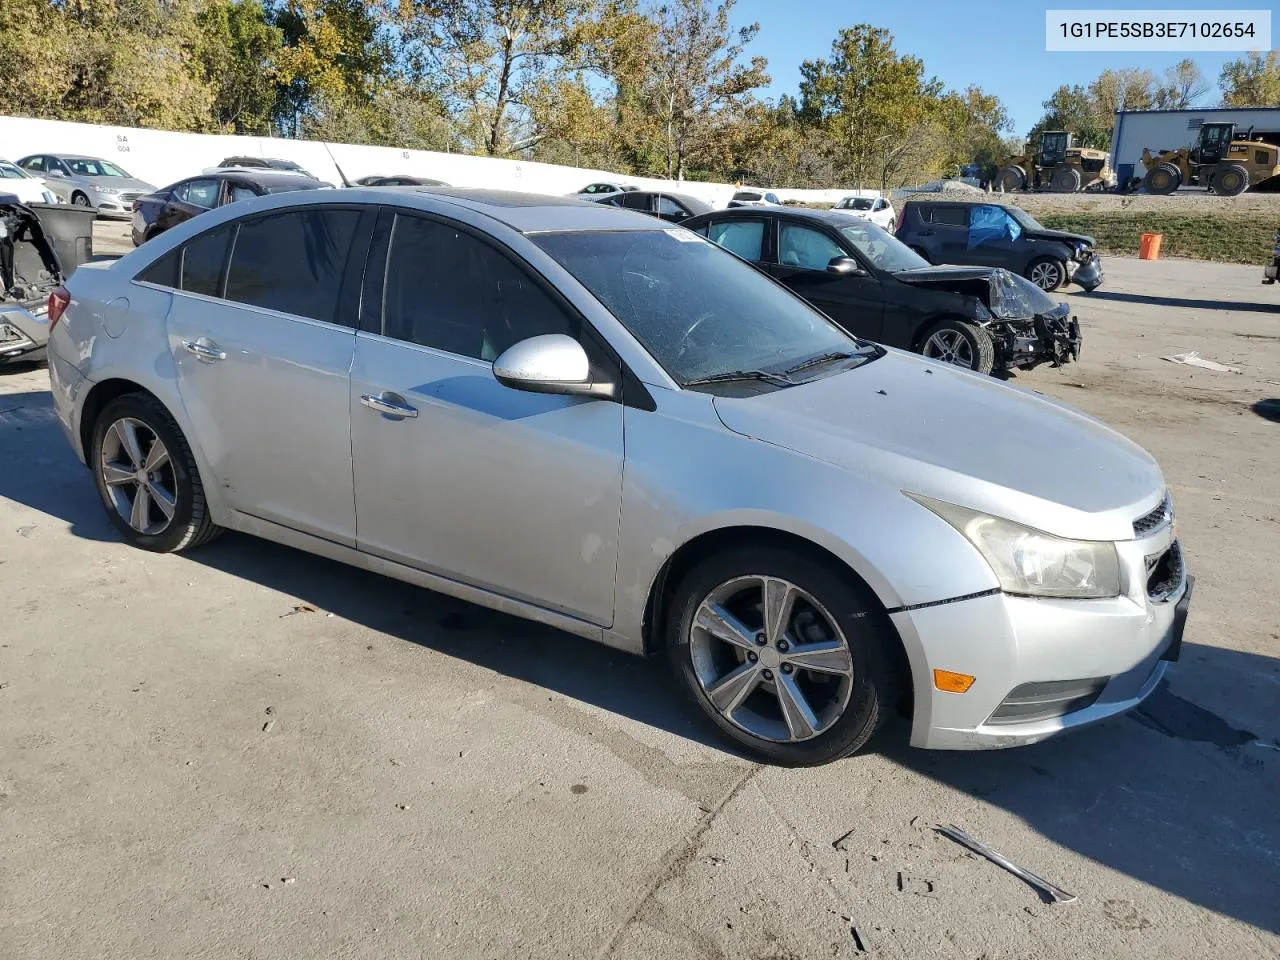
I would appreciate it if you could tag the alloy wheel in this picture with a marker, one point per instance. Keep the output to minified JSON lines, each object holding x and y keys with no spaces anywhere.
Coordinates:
{"x":80,"y":200}
{"x":770,"y":659}
{"x":1045,"y":276}
{"x":138,"y":476}
{"x":949,"y":346}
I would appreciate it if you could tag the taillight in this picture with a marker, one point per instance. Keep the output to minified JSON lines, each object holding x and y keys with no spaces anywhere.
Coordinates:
{"x":59,"y":300}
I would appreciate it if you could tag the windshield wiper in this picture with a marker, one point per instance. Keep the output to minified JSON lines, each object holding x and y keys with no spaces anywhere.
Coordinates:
{"x":734,"y":375}
{"x":832,"y":357}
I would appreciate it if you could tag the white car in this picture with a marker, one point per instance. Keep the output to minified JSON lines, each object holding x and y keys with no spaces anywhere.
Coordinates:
{"x":876,"y":209}
{"x":594,"y":191}
{"x":15,"y":180}
{"x":754,"y":198}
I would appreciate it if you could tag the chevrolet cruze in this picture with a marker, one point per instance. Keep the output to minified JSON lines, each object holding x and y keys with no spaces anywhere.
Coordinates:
{"x":589,"y":418}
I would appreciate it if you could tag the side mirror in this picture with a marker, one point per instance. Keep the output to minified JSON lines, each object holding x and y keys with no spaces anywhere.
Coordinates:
{"x":845,"y":266}
{"x":550,"y":363}
{"x":57,"y":173}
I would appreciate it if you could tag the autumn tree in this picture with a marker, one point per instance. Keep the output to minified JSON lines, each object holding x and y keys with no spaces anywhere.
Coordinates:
{"x":1251,"y":81}
{"x":1183,"y":85}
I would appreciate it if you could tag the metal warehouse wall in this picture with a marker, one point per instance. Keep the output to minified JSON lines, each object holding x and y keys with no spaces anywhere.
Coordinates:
{"x":1168,"y":129}
{"x":163,"y":156}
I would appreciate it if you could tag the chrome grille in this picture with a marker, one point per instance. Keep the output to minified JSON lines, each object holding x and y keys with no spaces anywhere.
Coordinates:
{"x":1149,"y":523}
{"x":129,"y":197}
{"x":1164,"y":573}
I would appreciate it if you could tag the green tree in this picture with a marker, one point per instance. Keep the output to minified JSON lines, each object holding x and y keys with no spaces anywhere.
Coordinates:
{"x":1251,"y":81}
{"x":237,"y":51}
{"x":35,"y":58}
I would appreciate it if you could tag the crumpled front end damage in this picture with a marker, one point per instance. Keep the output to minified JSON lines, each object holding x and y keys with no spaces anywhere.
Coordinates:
{"x":1029,"y":328}
{"x":29,"y":271}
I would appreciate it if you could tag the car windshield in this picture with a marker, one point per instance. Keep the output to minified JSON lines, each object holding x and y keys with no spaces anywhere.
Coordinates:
{"x":9,"y":171}
{"x":699,"y":310}
{"x":882,"y":248}
{"x":1024,"y":218}
{"x":856,"y":203}
{"x":88,"y":167}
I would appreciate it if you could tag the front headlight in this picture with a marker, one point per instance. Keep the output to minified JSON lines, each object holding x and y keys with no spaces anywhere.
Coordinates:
{"x":1031,"y":562}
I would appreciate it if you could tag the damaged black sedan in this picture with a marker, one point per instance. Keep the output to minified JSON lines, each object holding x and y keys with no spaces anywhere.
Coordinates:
{"x":983,"y":318}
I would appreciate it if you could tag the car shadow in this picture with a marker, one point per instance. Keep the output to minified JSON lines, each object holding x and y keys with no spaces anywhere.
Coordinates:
{"x":1172,"y":795}
{"x":1268,"y":409}
{"x":1190,"y":304}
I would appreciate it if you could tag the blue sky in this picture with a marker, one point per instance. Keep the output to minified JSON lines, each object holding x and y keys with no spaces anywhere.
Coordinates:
{"x":955,"y":41}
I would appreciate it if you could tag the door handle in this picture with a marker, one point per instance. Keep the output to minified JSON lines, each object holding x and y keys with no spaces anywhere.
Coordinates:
{"x":389,"y":403}
{"x":925,"y":233}
{"x":204,"y":349}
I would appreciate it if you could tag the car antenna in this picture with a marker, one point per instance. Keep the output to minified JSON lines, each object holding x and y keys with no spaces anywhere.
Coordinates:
{"x":341,"y":176}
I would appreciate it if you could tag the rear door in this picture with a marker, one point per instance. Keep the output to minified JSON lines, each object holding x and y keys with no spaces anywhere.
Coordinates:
{"x":513,"y":492}
{"x":994,"y":238}
{"x":944,"y":232}
{"x":262,"y":340}
{"x":856,"y":302}
{"x":745,"y":237}
{"x":188,"y":199}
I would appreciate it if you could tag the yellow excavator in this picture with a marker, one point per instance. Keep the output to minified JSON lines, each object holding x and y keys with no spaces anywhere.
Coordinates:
{"x":1058,"y":165}
{"x":1219,"y":160}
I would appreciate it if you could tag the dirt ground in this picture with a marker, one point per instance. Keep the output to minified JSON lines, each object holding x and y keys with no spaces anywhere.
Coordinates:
{"x":248,"y":752}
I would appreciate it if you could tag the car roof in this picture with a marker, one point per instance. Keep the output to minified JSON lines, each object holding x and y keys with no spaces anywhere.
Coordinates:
{"x":257,"y":175}
{"x":832,"y":218}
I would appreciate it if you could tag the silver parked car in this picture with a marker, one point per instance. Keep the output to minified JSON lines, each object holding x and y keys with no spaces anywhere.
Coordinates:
{"x":88,"y":182}
{"x":589,"y":418}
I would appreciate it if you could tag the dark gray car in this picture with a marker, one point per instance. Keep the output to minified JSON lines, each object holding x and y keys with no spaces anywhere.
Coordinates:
{"x":998,"y":235}
{"x":673,"y":207}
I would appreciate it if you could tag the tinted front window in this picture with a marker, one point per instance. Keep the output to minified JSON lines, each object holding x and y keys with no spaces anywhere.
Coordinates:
{"x":292,"y":262}
{"x":636,"y":201}
{"x":806,"y":248}
{"x":203,"y":259}
{"x":669,"y":208}
{"x":881,"y":248}
{"x":198,"y":193}
{"x":697,"y":310}
{"x":89,"y":167}
{"x":743,"y":237}
{"x":34,"y":163}
{"x":448,"y":290}
{"x":1027,"y":220}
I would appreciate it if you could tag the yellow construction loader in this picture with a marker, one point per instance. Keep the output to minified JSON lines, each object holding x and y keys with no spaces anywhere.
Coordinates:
{"x":1218,"y":160}
{"x":1058,"y":165}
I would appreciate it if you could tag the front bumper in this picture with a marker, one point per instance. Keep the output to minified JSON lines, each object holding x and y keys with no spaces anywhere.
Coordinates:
{"x":1099,"y":658}
{"x":1055,"y":340}
{"x":1087,"y":274}
{"x":112,"y":207}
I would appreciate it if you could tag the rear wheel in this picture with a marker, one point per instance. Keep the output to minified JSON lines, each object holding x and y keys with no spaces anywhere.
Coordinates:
{"x":1229,"y":180}
{"x":1047,"y":273}
{"x":147,"y":476}
{"x":1065,"y":180}
{"x":1162,"y":179}
{"x":793,"y":662}
{"x":964,"y":344}
{"x":1009,"y":179}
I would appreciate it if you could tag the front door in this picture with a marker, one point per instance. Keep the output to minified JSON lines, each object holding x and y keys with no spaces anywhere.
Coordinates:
{"x":263,"y":361}
{"x":856,"y":302}
{"x":186,"y":200}
{"x":514,"y":492}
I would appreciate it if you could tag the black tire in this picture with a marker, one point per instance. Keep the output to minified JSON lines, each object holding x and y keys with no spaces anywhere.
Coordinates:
{"x":1047,"y":273}
{"x":981,"y":356}
{"x":80,"y":200}
{"x":1065,"y":180}
{"x":1229,"y":179}
{"x":191,"y":525}
{"x":876,"y":653}
{"x":1162,"y":179}
{"x":1009,"y":179}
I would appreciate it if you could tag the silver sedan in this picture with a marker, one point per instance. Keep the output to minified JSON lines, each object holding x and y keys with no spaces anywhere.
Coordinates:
{"x":588,"y":418}
{"x":88,"y":182}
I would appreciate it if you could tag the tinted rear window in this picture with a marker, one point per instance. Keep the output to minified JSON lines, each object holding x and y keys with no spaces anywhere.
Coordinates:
{"x":164,"y":272}
{"x":292,"y":262}
{"x":950,"y":216}
{"x":202,"y":261}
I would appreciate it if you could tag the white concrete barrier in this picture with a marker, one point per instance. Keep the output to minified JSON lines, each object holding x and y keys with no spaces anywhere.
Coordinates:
{"x":163,"y":156}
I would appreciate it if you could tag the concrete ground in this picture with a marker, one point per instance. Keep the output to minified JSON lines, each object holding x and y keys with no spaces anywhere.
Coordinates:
{"x":249,"y":752}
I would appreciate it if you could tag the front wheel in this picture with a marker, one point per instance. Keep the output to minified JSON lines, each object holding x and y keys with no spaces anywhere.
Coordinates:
{"x":964,"y":344}
{"x":147,"y":476}
{"x":793,"y":662}
{"x":1163,"y":179}
{"x":80,"y":199}
{"x":1047,"y":274}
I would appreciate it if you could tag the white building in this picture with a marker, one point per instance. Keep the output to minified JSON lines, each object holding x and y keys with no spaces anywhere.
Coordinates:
{"x":1169,"y":129}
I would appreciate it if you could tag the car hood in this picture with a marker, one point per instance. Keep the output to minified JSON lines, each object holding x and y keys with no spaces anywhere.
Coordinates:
{"x":1006,"y":295}
{"x":120,"y":183}
{"x":1060,"y":235}
{"x":934,"y":429}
